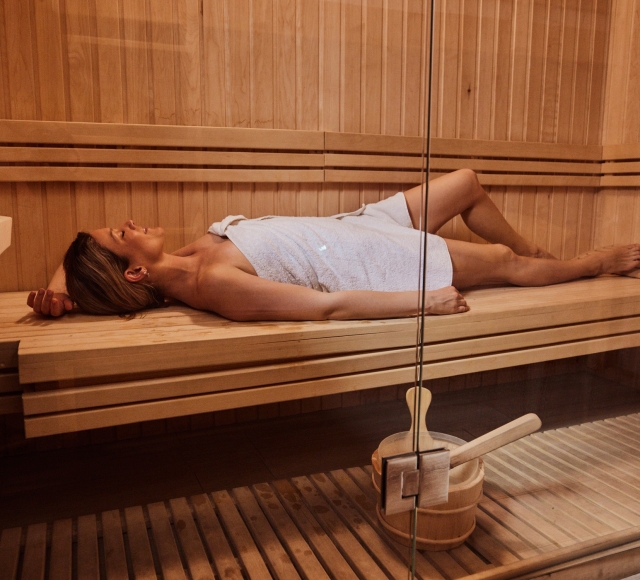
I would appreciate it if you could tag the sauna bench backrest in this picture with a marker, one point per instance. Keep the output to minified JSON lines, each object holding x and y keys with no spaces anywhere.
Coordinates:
{"x":83,"y":372}
{"x":47,"y":151}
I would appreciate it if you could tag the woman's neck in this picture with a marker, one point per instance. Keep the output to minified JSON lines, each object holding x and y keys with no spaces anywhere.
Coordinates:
{"x":175,"y":276}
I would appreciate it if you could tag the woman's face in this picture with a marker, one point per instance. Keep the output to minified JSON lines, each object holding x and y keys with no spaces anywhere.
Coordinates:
{"x":141,"y":246}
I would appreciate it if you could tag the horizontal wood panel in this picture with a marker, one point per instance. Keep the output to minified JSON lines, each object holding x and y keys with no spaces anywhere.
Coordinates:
{"x":156,"y":157}
{"x":92,"y":396}
{"x":335,"y":142}
{"x":104,"y":417}
{"x":73,"y":133}
{"x":364,"y":176}
{"x":66,"y":354}
{"x":333,"y":160}
{"x":159,"y":174}
{"x":620,"y":181}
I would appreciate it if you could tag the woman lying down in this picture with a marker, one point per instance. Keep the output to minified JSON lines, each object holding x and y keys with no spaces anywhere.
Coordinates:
{"x":360,"y":265}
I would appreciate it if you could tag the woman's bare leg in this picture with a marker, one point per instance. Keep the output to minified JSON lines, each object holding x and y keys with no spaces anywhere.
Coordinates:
{"x":486,"y":264}
{"x":460,"y":193}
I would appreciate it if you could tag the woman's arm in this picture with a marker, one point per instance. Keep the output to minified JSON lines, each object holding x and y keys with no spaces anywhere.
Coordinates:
{"x":54,"y":301}
{"x":240,"y":296}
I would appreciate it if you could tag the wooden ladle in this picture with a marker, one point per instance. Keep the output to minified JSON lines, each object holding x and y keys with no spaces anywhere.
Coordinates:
{"x":402,"y":442}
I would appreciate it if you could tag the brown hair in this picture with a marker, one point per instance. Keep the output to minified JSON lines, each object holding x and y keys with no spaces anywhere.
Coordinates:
{"x":96,"y":283}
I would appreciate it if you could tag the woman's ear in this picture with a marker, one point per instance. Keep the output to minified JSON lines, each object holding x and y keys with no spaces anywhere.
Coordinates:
{"x":136,"y":274}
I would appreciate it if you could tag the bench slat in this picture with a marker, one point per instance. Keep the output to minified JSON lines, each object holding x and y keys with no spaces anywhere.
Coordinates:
{"x":493,"y":311}
{"x":41,"y":402}
{"x":109,"y":416}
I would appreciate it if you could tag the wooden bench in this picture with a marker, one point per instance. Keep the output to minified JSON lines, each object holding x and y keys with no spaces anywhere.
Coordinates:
{"x":85,"y":372}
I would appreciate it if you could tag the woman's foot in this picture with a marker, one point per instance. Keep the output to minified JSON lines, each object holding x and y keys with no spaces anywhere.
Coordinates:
{"x":613,"y":259}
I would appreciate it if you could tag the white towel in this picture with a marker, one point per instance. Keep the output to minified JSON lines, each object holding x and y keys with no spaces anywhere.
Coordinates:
{"x":373,"y":248}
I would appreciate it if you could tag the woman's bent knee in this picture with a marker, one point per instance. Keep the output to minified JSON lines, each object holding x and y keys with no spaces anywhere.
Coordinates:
{"x":504,"y":254}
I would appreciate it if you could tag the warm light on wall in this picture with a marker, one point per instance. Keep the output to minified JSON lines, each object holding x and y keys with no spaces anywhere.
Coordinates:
{"x":5,"y":233}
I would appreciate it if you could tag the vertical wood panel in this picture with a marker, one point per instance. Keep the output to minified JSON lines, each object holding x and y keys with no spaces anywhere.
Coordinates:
{"x":214,"y":64}
{"x":110,"y":67}
{"x":237,"y":63}
{"x":529,"y":70}
{"x":80,"y":60}
{"x":17,"y":20}
{"x":392,"y":68}
{"x":262,"y":85}
{"x":49,"y":59}
{"x":307,"y":64}
{"x":135,"y":62}
{"x":284,"y":27}
{"x":372,"y":69}
{"x":188,"y":51}
{"x":162,"y":63}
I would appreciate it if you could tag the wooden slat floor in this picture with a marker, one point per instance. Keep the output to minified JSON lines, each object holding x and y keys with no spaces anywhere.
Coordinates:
{"x":547,"y":492}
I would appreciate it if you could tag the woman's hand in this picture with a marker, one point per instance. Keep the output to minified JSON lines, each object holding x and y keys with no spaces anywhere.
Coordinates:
{"x":50,"y":303}
{"x":445,"y":301}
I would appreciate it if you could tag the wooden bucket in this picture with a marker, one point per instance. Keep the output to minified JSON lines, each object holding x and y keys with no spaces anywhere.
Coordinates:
{"x":444,"y":526}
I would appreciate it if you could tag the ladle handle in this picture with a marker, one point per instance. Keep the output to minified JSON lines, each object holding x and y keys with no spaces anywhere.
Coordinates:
{"x":508,"y":433}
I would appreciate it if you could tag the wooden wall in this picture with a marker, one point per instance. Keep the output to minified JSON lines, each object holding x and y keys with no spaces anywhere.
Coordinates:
{"x":528,"y":70}
{"x":618,"y":208}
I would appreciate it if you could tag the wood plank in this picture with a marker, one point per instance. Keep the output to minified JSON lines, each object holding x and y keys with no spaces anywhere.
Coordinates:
{"x":545,"y":501}
{"x":524,"y":568}
{"x":29,"y":174}
{"x":160,"y":157}
{"x":410,"y":177}
{"x":335,"y":142}
{"x":490,"y":548}
{"x":297,"y":546}
{"x":595,"y":517}
{"x":165,"y":543}
{"x":139,"y":547}
{"x":115,"y":559}
{"x":375,"y":540}
{"x":365,"y":503}
{"x":357,"y":556}
{"x":494,"y":311}
{"x":620,"y":152}
{"x":580,"y":461}
{"x":34,"y":559}
{"x":60,"y":564}
{"x":93,"y":418}
{"x":551,"y":456}
{"x":10,"y":552}
{"x":137,"y":134}
{"x":87,"y":541}
{"x":223,"y":558}
{"x":441,"y":163}
{"x":306,"y":522}
{"x":190,"y":541}
{"x":240,"y":537}
{"x":276,"y":556}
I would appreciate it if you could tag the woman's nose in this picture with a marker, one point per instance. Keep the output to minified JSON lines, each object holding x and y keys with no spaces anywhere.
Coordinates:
{"x":129,"y":224}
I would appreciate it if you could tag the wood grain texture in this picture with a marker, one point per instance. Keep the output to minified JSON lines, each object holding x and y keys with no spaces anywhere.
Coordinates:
{"x":557,"y":504}
{"x":526,"y":73}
